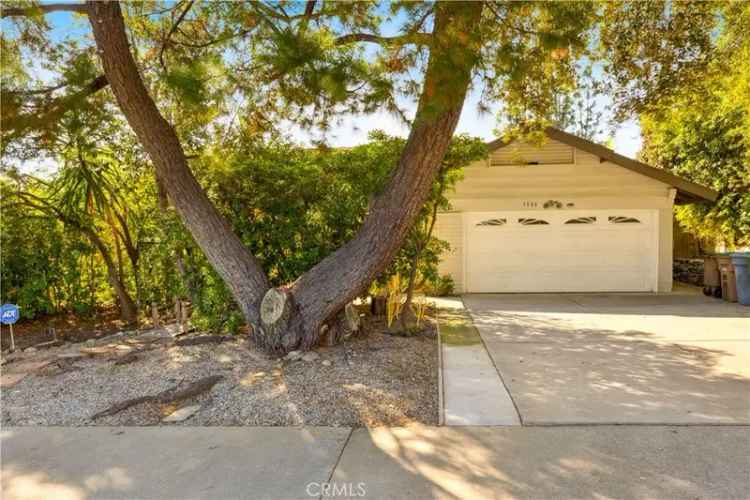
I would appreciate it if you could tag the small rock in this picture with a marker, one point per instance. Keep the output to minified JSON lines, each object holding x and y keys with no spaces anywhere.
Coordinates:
{"x":182,"y":414}
{"x":8,"y":380}
{"x":96,"y":351}
{"x":30,"y":349}
{"x":310,"y":356}
{"x":293,"y":356}
{"x":326,"y":362}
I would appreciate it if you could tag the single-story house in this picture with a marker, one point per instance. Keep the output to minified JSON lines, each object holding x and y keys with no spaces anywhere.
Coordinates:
{"x":567,"y":216}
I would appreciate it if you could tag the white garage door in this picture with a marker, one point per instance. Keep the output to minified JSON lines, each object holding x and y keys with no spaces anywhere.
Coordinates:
{"x":561,"y":251}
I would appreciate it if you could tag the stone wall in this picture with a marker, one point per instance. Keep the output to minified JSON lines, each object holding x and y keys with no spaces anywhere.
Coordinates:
{"x":688,"y":271}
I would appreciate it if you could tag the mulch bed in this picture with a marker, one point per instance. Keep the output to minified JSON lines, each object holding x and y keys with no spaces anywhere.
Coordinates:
{"x":375,"y":379}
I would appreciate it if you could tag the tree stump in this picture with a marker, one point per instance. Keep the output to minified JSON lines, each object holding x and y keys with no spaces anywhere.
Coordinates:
{"x":276,"y":312}
{"x":346,"y":324}
{"x":156,"y":322}
{"x":378,"y":305}
{"x":184,"y":316}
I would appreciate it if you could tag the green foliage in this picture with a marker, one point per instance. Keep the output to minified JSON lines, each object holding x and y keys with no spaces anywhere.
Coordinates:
{"x":443,"y":286}
{"x":703,"y":133}
{"x":292,"y":207}
{"x":578,"y":111}
{"x":45,"y":269}
{"x":230,"y":76}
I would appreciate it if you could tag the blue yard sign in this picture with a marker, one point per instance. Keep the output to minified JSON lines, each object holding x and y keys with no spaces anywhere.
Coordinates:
{"x":9,"y":314}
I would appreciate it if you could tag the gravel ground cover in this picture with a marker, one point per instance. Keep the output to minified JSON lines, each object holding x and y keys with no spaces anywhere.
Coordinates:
{"x":373,"y":380}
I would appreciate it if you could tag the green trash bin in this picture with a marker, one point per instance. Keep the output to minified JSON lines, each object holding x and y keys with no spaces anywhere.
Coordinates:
{"x":740,"y":261}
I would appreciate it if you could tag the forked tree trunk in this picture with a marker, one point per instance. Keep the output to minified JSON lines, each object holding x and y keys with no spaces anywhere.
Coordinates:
{"x":318,"y":297}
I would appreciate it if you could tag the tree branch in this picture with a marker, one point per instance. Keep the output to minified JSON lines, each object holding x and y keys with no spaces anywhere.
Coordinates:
{"x":44,"y":9}
{"x":16,"y":124}
{"x":174,"y":27}
{"x":239,"y":269}
{"x":409,"y":38}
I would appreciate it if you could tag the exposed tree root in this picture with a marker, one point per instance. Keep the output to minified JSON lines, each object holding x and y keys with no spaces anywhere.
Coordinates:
{"x":203,"y":339}
{"x":171,"y":395}
{"x":128,"y":358}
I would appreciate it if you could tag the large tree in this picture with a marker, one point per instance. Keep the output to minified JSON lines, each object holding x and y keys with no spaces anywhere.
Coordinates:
{"x":304,"y":62}
{"x":702,"y":133}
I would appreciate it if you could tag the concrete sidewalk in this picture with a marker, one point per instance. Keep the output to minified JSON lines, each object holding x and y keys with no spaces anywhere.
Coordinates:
{"x":409,"y":463}
{"x":473,"y":392}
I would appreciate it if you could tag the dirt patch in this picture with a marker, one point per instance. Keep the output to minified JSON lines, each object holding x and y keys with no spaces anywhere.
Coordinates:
{"x":373,"y":380}
{"x":68,"y":327}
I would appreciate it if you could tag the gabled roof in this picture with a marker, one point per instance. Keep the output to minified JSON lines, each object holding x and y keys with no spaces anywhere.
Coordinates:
{"x":687,"y":191}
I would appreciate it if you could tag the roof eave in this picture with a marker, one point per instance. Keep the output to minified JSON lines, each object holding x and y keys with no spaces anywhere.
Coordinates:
{"x":687,"y":191}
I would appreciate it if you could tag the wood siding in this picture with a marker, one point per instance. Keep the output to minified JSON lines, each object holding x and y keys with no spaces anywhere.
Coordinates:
{"x":521,"y":153}
{"x":586,"y":177}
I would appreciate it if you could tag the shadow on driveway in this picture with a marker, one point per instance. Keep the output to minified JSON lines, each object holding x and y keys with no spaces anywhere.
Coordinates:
{"x":565,"y":366}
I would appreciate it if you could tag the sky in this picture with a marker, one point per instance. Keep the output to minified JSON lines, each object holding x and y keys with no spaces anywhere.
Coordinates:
{"x":354,"y":129}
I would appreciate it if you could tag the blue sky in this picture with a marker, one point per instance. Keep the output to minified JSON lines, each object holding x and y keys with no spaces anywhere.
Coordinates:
{"x":354,"y":129}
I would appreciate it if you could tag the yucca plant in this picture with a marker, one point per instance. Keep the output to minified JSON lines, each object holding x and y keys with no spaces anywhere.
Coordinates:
{"x":394,"y":302}
{"x":420,"y":309}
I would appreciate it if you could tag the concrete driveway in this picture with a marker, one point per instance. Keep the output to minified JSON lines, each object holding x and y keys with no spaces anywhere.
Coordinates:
{"x":678,"y":358}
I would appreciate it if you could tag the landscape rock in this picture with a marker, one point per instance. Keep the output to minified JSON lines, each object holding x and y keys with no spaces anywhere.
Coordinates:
{"x":326,"y":362}
{"x":30,"y":349}
{"x":293,"y":356}
{"x":27,"y":366}
{"x":182,"y":414}
{"x":310,"y":356}
{"x":8,"y":380}
{"x":96,"y":351}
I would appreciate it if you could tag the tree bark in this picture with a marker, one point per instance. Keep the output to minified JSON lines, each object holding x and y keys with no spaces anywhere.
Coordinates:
{"x":224,"y":250}
{"x":321,"y":293}
{"x":346,"y":273}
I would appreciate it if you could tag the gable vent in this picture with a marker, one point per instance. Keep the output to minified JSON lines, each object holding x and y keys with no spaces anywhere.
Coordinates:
{"x":550,"y":152}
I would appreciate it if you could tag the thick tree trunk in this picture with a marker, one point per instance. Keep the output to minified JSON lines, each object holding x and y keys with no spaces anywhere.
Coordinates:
{"x":223,"y":249}
{"x":340,"y":277}
{"x":320,"y":294}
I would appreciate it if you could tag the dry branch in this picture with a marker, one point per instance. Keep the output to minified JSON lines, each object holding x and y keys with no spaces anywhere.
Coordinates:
{"x":203,"y":339}
{"x":171,"y":395}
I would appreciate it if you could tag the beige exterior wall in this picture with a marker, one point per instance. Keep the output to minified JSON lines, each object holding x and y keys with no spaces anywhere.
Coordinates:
{"x":449,"y":227}
{"x":586,"y":183}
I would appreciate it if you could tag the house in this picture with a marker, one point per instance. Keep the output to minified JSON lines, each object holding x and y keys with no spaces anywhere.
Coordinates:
{"x":567,"y":216}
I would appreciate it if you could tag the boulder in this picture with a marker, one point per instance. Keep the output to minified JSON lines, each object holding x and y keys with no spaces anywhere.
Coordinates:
{"x":182,"y":414}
